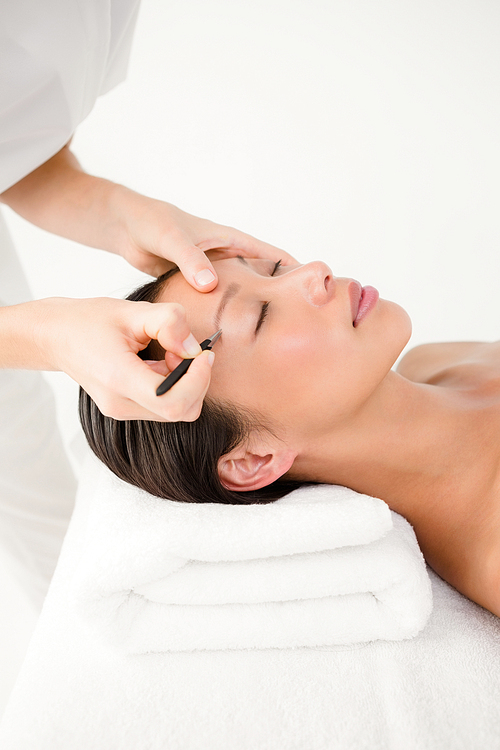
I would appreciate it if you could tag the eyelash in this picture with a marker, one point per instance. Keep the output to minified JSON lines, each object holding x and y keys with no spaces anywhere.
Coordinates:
{"x":265,"y":306}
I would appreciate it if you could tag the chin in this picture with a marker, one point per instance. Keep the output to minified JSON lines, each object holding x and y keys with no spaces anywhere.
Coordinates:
{"x":397,"y":328}
{"x":408,"y":325}
{"x":400,"y":321}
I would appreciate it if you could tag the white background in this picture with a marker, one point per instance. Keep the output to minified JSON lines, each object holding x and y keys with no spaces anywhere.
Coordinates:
{"x":360,"y":132}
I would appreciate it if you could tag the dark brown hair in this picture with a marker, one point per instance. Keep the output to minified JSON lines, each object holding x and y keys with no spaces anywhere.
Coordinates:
{"x":175,"y":460}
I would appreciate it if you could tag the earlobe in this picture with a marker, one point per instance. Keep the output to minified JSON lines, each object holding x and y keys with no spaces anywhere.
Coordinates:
{"x":251,"y":471}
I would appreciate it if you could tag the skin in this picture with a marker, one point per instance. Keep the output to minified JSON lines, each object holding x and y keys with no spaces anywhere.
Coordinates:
{"x":307,"y":337}
{"x":423,"y":438}
{"x":152,"y":235}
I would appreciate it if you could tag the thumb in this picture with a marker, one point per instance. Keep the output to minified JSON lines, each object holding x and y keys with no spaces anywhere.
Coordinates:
{"x":196,"y":268}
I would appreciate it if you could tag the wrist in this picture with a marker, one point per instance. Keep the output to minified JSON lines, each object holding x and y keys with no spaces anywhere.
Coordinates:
{"x":141,"y":225}
{"x":134,"y":216}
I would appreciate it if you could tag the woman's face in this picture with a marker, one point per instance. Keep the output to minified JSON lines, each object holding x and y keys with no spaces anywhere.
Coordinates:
{"x":294,"y":346}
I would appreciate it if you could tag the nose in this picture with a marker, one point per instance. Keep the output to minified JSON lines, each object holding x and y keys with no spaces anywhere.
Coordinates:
{"x":316,"y":282}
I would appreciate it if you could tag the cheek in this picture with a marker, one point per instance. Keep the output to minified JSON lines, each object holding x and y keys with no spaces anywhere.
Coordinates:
{"x":267,"y":376}
{"x":313,"y":383}
{"x":294,"y":377}
{"x":315,"y":374}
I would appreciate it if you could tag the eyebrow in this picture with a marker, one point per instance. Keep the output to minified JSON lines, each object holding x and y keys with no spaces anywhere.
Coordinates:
{"x":230,"y":292}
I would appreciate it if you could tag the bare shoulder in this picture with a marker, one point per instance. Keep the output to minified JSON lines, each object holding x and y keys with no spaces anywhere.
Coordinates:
{"x":483,"y":584}
{"x":429,"y":363}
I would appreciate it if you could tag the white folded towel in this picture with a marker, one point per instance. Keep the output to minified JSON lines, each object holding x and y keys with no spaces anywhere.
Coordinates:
{"x":322,"y":566}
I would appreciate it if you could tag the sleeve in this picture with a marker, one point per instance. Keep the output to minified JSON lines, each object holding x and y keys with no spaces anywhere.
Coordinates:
{"x":35,"y":119}
{"x":56,"y":58}
{"x":123,"y":22}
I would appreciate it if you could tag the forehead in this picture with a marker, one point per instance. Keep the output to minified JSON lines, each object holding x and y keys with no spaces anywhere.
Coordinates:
{"x":201,"y":308}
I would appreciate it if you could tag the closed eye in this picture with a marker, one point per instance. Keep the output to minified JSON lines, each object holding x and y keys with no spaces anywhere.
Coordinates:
{"x":262,"y":316}
{"x":265,"y":306}
{"x":276,"y":266}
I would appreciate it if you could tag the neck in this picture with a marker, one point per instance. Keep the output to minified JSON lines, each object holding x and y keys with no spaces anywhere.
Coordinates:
{"x":405,"y":444}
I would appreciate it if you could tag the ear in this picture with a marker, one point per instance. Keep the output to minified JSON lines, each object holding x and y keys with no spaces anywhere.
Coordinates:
{"x":243,"y":470}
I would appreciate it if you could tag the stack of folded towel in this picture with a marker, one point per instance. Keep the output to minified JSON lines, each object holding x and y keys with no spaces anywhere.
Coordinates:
{"x":320,"y":567}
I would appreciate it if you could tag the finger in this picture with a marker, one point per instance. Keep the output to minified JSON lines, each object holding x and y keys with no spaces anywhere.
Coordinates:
{"x":159,"y":366}
{"x":252,"y":248}
{"x":172,"y":360}
{"x":234,"y":242}
{"x":196,"y":268}
{"x":164,"y":366}
{"x":165,"y":322}
{"x":137,"y":389}
{"x":186,"y":396}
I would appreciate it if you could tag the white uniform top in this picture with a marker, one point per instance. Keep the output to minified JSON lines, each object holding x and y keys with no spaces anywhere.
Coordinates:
{"x":56,"y":58}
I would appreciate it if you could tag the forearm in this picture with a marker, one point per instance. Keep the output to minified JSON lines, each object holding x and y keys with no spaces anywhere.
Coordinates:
{"x":150,"y":234}
{"x":63,"y":199}
{"x":23,"y":330}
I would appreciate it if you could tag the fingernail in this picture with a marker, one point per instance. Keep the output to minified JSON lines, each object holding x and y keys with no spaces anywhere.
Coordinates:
{"x":204,"y":277}
{"x":191,"y":346}
{"x":211,"y":357}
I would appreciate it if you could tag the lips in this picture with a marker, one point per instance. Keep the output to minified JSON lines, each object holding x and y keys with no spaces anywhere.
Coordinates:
{"x":367,"y":300}
{"x":355,"y":293}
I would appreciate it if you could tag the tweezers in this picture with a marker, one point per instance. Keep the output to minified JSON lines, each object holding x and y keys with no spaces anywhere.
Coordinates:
{"x":184,"y":366}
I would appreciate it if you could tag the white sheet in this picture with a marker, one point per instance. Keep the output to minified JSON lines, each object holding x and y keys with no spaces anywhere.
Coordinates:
{"x":439,"y":690}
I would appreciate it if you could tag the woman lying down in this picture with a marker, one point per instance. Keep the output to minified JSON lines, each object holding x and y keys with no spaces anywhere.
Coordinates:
{"x":302,"y":390}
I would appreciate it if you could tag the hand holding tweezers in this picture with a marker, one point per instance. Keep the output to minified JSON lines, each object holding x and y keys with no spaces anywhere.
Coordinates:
{"x":184,"y":366}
